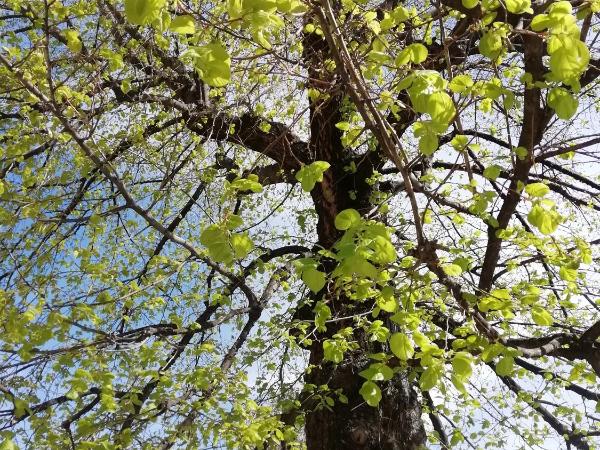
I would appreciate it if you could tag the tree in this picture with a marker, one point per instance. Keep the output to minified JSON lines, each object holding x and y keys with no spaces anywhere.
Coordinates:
{"x":276,"y":224}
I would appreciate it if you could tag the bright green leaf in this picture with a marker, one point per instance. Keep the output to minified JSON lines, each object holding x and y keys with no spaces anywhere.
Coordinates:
{"x":310,"y":174}
{"x":545,"y":220}
{"x":386,"y":301}
{"x":383,"y":251}
{"x":462,"y":364}
{"x":242,"y":245}
{"x":332,"y":351}
{"x":401,"y":346}
{"x":347,"y":219}
{"x":377,"y":372}
{"x":505,"y":366}
{"x":563,"y":103}
{"x":452,"y":270}
{"x":430,"y":377}
{"x":537,"y":189}
{"x":371,"y":393}
{"x":183,"y":25}
{"x":73,"y":41}
{"x":461,"y":83}
{"x":492,"y":172}
{"x":143,"y":12}
{"x":541,"y":317}
{"x":314,"y":279}
{"x":212,"y":63}
{"x":519,"y":6}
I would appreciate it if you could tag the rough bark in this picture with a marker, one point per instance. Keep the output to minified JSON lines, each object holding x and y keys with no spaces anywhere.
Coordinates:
{"x":396,"y":424}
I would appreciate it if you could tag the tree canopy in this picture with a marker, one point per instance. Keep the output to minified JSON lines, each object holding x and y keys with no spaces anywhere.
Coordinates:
{"x":325,"y":224}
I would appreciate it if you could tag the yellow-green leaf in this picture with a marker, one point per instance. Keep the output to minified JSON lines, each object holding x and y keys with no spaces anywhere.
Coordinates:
{"x":563,"y":103}
{"x":401,"y":346}
{"x":462,"y":364}
{"x":452,"y":270}
{"x":143,"y":12}
{"x":212,"y":63}
{"x":241,"y":244}
{"x":505,"y":366}
{"x":541,"y":317}
{"x":519,"y":6}
{"x":311,"y":174}
{"x":73,"y":40}
{"x":183,"y":25}
{"x":537,"y":189}
{"x":371,"y":393}
{"x":314,"y":279}
{"x":347,"y":219}
{"x":430,"y":377}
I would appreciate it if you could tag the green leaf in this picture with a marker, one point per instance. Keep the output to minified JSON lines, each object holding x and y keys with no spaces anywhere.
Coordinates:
{"x":545,"y":220}
{"x":371,"y":393}
{"x":428,"y":141}
{"x":568,"y":273}
{"x":332,"y":351}
{"x":183,"y":25}
{"x":492,"y":172}
{"x":292,"y":7}
{"x":383,"y":251}
{"x":310,"y":174}
{"x":358,"y":265}
{"x":519,"y":6}
{"x":470,"y":4}
{"x":452,"y":270}
{"x":212,"y":63}
{"x":570,"y":60}
{"x":73,"y":40}
{"x":521,"y":152}
{"x":233,"y":221}
{"x":347,"y":219}
{"x":415,"y":53}
{"x":461,"y":83}
{"x":491,"y":44}
{"x":563,"y":103}
{"x":532,"y":295}
{"x":505,"y":366}
{"x":22,"y":408}
{"x":216,"y":240}
{"x":540,"y":22}
{"x":401,"y":346}
{"x":247,"y":184}
{"x":377,"y":372}
{"x":242,"y":245}
{"x":491,"y":351}
{"x":386,"y":301}
{"x":8,"y":444}
{"x":314,"y":279}
{"x":537,"y":189}
{"x":440,"y":107}
{"x":143,"y":12}
{"x":418,"y":52}
{"x":459,"y":384}
{"x":430,"y":377}
{"x":322,"y":315}
{"x":459,"y":142}
{"x":462,"y":364}
{"x":541,"y":317}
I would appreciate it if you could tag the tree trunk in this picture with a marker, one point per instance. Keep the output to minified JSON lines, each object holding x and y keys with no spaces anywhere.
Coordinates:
{"x":396,"y":423}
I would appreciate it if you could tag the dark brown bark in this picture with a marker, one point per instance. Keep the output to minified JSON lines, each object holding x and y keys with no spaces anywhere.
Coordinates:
{"x":396,"y":423}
